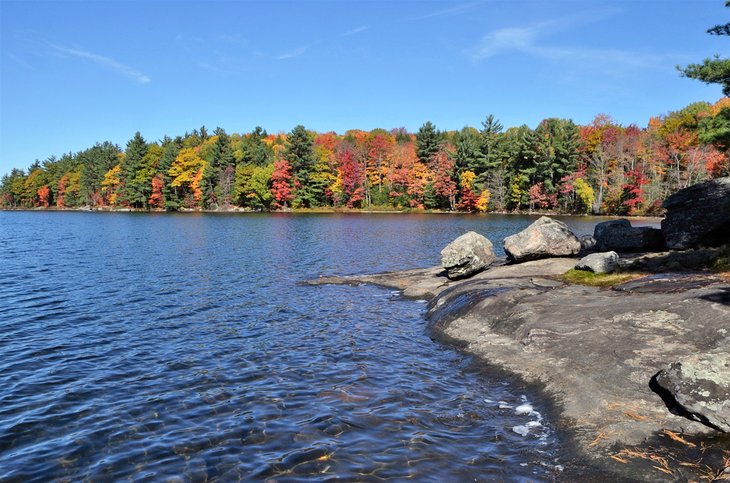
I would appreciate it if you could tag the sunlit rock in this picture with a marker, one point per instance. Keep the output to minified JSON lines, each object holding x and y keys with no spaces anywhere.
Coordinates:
{"x":545,"y":238}
{"x":467,"y":255}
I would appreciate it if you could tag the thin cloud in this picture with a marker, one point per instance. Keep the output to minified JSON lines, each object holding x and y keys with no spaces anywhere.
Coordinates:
{"x":235,"y":39}
{"x":292,"y":54}
{"x":529,"y":41}
{"x":356,"y":30}
{"x":112,"y":64}
{"x":221,"y":63}
{"x":448,"y":11}
{"x":20,"y":61}
{"x":608,"y":57}
{"x":499,"y":41}
{"x":212,"y":68}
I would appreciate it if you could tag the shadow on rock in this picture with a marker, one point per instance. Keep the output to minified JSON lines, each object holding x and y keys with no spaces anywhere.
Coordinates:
{"x":674,"y":406}
{"x":722,"y":296}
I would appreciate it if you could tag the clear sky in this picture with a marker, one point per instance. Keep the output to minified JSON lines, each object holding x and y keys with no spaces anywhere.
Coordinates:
{"x":73,"y":72}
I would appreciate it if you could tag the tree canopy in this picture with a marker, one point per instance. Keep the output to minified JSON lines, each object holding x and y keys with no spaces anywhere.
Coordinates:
{"x":601,"y":167}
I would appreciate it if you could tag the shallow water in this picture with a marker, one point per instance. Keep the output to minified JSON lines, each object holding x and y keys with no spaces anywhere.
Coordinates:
{"x":149,"y":346}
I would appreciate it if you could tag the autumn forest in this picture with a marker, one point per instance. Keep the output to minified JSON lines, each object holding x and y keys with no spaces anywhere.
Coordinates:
{"x":558,"y":166}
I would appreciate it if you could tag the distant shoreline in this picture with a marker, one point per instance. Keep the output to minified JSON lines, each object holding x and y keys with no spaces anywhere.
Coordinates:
{"x":348,"y":211}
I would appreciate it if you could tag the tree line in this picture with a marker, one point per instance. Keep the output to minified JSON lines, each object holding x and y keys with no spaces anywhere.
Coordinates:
{"x":601,"y":167}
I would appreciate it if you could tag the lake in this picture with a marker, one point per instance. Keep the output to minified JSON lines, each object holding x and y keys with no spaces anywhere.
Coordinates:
{"x":182,"y":346}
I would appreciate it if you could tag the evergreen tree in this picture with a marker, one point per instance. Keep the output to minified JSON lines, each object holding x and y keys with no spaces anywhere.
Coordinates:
{"x":299,"y":153}
{"x":219,"y":173}
{"x":430,"y":200}
{"x":96,"y":161}
{"x":222,"y":150}
{"x":716,"y":129}
{"x":170,"y":150}
{"x":491,"y":132}
{"x":519,"y":153}
{"x":428,"y":142}
{"x":57,"y":168}
{"x":510,"y":154}
{"x":65,"y":179}
{"x":135,"y":188}
{"x":145,"y":178}
{"x":467,"y":155}
{"x":556,"y":152}
{"x":715,"y":70}
{"x":255,"y":150}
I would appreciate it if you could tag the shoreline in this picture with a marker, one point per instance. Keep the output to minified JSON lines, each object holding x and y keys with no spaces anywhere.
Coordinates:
{"x":325,"y":211}
{"x":589,"y":352}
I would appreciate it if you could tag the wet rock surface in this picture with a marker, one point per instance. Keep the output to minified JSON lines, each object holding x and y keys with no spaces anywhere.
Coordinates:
{"x":620,"y":236}
{"x":698,"y":215}
{"x":467,"y":255}
{"x":593,"y":350}
{"x":545,"y":238}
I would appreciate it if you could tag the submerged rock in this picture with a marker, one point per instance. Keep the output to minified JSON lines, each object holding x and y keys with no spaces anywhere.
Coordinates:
{"x":599,"y":262}
{"x":620,"y":236}
{"x":698,"y":215}
{"x":467,"y":255}
{"x":545,"y":238}
{"x":698,"y":387}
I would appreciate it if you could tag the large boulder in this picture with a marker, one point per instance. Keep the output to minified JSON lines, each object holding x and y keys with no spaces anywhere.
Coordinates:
{"x":543,"y":239}
{"x":467,"y":255}
{"x":599,"y":262}
{"x":620,"y":236}
{"x":698,"y":388}
{"x":698,"y":215}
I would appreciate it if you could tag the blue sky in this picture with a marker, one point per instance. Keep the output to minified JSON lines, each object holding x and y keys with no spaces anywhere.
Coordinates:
{"x":74,"y":73}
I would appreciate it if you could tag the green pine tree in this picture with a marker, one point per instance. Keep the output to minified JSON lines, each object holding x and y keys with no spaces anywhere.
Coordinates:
{"x":428,"y":142}
{"x":715,"y":70}
{"x":299,"y":152}
{"x":134,"y":187}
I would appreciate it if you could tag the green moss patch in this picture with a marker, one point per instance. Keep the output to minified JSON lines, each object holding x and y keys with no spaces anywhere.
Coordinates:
{"x":583,"y":277}
{"x":722,"y":264}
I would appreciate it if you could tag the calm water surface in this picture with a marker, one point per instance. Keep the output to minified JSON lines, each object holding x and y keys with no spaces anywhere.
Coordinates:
{"x":155,"y":346}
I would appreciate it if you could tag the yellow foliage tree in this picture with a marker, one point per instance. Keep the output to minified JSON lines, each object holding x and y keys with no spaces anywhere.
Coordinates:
{"x":187,"y":173}
{"x":110,"y":185}
{"x":483,"y":201}
{"x":467,"y":180}
{"x":584,"y":195}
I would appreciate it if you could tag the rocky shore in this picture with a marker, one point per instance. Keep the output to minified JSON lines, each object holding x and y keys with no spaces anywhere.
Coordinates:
{"x":638,"y":369}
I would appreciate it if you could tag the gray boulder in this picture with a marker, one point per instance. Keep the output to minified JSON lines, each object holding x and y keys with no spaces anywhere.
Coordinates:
{"x":620,"y":236}
{"x":467,"y":255}
{"x":587,"y":243}
{"x":698,"y":388}
{"x":545,"y":238}
{"x":698,"y":215}
{"x":599,"y":262}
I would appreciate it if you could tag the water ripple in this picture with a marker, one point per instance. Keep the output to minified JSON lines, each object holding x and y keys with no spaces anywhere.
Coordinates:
{"x":181,"y":347}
